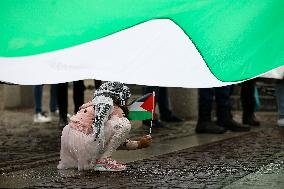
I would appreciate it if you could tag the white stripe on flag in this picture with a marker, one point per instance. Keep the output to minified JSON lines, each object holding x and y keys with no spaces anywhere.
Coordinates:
{"x":136,"y":106}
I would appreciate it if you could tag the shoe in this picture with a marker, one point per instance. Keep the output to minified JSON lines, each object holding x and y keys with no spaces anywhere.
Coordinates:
{"x":41,"y":118}
{"x":280,"y":122}
{"x":171,"y":118}
{"x":109,"y":164}
{"x":69,"y":116}
{"x":250,"y":120}
{"x":155,"y":123}
{"x":233,"y":126}
{"x":62,"y":122}
{"x":209,"y":127}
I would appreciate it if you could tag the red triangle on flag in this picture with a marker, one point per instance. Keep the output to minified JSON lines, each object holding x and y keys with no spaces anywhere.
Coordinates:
{"x":148,"y":104}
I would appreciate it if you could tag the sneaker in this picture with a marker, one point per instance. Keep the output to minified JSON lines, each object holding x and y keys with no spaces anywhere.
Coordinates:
{"x":280,"y":122}
{"x":40,"y":118}
{"x":209,"y":127}
{"x":233,"y":126}
{"x":69,"y":116}
{"x":108,"y":164}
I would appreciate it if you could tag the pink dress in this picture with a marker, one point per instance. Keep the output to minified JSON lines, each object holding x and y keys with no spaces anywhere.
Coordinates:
{"x":78,"y":147}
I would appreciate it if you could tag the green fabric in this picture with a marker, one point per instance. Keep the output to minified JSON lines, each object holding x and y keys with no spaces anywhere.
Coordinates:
{"x":139,"y":115}
{"x":237,"y":39}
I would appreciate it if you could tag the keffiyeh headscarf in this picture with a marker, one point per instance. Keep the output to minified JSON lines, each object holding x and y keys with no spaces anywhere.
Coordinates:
{"x":103,"y":104}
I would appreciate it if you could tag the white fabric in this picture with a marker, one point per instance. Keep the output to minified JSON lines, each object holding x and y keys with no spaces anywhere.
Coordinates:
{"x":277,"y":73}
{"x":153,"y":53}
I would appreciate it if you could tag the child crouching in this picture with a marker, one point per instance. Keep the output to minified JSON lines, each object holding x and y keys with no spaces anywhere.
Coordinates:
{"x":98,"y":129}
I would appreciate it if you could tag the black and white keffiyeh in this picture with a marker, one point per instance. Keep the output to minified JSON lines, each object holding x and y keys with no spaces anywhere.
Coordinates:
{"x":103,"y":104}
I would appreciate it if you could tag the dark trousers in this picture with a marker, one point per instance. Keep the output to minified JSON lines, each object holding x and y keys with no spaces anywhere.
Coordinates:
{"x":205,"y":102}
{"x":98,"y":83}
{"x":62,"y":97}
{"x":248,"y":98}
{"x":162,"y":99}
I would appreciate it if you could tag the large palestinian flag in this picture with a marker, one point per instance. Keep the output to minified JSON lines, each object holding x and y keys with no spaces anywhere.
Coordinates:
{"x":142,"y":108}
{"x":181,"y":43}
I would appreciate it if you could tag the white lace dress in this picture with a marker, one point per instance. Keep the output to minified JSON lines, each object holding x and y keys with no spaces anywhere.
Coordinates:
{"x":80,"y":150}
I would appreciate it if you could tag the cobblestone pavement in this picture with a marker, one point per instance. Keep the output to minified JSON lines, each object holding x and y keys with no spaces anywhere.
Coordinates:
{"x":268,"y":176}
{"x":214,"y":165}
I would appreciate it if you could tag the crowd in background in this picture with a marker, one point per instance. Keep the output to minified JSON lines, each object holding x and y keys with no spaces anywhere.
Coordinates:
{"x":58,"y":106}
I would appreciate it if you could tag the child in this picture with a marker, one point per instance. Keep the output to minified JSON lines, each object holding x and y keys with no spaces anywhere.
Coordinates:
{"x":97,"y":130}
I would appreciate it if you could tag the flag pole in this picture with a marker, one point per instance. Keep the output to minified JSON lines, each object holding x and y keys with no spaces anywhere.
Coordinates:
{"x":153,"y":109}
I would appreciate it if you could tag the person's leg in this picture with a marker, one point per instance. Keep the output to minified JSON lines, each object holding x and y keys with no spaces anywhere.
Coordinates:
{"x":232,"y":89}
{"x":98,"y":83}
{"x":37,"y":91}
{"x":62,"y":102}
{"x":205,"y":101}
{"x":248,"y":102}
{"x":222,"y":95}
{"x":78,"y":94}
{"x":247,"y":97}
{"x":163,"y":102}
{"x":52,"y":100}
{"x":115,"y":135}
{"x":39,"y":117}
{"x":280,"y":101}
{"x":205,"y":124}
{"x":118,"y":137}
{"x":224,"y":115}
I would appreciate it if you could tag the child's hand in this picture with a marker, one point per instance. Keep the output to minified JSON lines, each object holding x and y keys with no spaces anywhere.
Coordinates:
{"x":144,"y":142}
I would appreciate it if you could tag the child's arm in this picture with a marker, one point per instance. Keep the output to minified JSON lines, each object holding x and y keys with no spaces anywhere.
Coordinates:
{"x":144,"y":142}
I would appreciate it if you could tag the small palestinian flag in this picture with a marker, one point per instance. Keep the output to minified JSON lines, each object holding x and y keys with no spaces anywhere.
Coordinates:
{"x":142,"y":108}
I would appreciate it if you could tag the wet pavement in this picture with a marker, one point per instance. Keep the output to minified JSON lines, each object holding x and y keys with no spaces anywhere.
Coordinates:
{"x":178,"y":157}
{"x":243,"y":160}
{"x":268,"y":176}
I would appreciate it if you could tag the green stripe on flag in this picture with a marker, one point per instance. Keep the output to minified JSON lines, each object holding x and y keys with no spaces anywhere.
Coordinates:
{"x":139,"y":115}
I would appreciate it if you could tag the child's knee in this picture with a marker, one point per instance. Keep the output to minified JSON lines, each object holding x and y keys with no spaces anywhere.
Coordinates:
{"x":123,"y":130}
